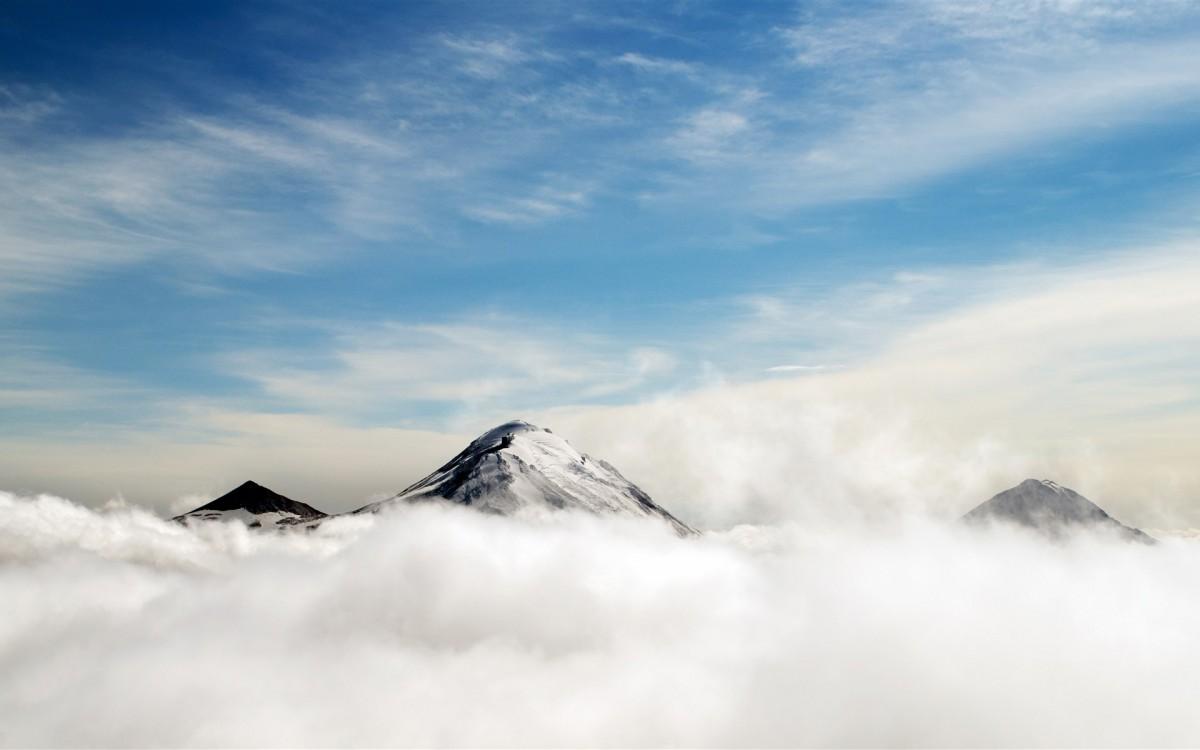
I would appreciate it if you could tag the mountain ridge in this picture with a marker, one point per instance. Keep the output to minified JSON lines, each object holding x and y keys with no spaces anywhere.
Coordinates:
{"x":513,"y":468}
{"x":517,"y":468}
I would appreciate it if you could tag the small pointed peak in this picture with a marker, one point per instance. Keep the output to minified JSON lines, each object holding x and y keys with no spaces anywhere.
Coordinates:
{"x":254,"y":498}
{"x":1049,"y":507}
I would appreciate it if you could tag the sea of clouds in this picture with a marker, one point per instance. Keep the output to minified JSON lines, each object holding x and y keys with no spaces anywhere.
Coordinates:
{"x":440,"y":626}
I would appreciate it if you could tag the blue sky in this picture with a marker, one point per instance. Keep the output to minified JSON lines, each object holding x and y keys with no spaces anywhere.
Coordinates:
{"x":426,"y":215}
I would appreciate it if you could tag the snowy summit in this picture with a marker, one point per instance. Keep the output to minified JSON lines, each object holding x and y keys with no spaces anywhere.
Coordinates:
{"x":519,"y":466}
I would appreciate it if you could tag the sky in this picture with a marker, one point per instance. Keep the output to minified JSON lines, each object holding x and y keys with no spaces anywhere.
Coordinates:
{"x":778,"y":261}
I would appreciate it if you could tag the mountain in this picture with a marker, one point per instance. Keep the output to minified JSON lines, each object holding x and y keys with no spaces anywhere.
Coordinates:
{"x":519,"y":466}
{"x":1050,"y":508}
{"x":257,"y":507}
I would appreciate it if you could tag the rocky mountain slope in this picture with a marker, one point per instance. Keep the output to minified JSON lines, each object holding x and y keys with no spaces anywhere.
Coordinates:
{"x":1050,"y":508}
{"x":519,"y":467}
{"x":516,"y":468}
{"x":257,"y":507}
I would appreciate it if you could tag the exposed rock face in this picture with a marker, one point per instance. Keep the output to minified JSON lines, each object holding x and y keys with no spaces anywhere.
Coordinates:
{"x":519,"y":466}
{"x":257,"y":506}
{"x":1050,"y":508}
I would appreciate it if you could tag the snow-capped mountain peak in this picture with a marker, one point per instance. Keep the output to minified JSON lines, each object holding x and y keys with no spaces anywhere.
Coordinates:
{"x":519,"y":467}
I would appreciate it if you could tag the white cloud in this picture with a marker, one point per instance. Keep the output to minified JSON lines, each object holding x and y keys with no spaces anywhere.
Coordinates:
{"x":710,"y":134}
{"x":546,"y":203}
{"x":370,"y":146}
{"x":650,"y":64}
{"x":24,"y":106}
{"x":30,"y":378}
{"x":911,"y":34}
{"x":175,"y":190}
{"x":651,"y":361}
{"x":284,"y":181}
{"x":486,"y":58}
{"x":964,"y":121}
{"x":1084,"y":373}
{"x":906,"y":93}
{"x":121,"y":630}
{"x":482,"y":362}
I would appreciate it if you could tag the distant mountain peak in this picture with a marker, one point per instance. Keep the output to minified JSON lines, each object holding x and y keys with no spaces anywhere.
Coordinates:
{"x":517,"y":466}
{"x":1050,"y":508}
{"x":257,"y":506}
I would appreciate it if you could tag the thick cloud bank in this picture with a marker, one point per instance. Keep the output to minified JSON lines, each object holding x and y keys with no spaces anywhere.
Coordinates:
{"x":442,"y":627}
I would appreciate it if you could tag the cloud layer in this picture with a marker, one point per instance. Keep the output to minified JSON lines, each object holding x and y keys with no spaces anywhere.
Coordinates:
{"x":443,"y":627}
